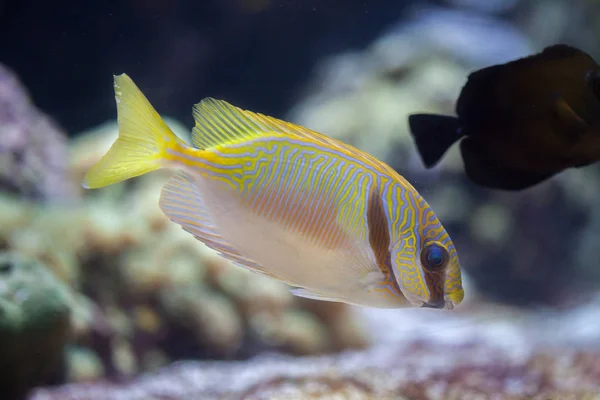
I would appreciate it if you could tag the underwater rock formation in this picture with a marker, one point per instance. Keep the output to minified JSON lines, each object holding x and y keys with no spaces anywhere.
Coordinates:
{"x":33,"y":150}
{"x":415,"y":370}
{"x":477,"y":351}
{"x":34,"y":325}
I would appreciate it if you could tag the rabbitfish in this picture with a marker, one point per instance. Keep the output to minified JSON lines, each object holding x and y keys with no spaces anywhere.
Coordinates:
{"x":279,"y":199}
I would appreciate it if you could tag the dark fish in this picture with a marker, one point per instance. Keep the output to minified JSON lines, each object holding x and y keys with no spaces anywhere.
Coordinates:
{"x":521,"y":122}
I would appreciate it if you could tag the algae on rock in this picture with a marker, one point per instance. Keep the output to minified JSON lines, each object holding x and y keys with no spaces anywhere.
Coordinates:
{"x":34,"y":324}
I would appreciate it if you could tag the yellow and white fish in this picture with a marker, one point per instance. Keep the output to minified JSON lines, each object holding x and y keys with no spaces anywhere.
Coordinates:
{"x":288,"y":202}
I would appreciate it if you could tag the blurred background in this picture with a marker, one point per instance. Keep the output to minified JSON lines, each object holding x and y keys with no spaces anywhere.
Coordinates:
{"x":101,"y":288}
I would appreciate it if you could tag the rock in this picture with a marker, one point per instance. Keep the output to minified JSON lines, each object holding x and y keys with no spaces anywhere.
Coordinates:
{"x":480,"y":351}
{"x":34,"y":325}
{"x":210,"y":317}
{"x":415,"y":370}
{"x":33,"y":151}
{"x":84,"y":365}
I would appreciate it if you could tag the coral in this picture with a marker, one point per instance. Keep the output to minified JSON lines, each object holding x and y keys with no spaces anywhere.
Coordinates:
{"x":479,"y":351}
{"x":415,"y":370}
{"x":210,"y":317}
{"x":33,"y":152}
{"x":34,"y":324}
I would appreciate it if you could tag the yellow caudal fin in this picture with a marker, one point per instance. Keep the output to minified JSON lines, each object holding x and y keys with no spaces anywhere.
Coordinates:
{"x":143,"y":139}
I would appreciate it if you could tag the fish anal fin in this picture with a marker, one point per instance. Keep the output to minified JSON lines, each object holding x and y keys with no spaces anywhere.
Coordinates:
{"x":487,"y":172}
{"x":362,"y":298}
{"x":308,"y":294}
{"x":182,"y":202}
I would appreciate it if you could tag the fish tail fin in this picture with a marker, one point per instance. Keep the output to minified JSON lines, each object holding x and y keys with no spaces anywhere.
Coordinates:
{"x":142,"y":142}
{"x":434,"y":135}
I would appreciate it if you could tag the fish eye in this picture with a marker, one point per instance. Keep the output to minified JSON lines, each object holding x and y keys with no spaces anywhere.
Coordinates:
{"x":434,"y":256}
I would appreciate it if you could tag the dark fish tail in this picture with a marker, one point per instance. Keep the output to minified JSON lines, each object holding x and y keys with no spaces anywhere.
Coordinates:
{"x":434,"y":135}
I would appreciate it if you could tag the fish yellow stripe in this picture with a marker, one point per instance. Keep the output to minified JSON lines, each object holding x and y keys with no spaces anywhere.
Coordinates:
{"x":220,"y":124}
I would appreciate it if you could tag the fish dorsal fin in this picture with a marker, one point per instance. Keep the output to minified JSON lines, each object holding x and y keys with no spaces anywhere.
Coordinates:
{"x":220,"y":123}
{"x":561,"y":50}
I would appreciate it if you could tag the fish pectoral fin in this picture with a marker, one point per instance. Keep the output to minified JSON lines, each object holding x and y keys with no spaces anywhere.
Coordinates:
{"x":359,"y":296}
{"x":569,"y":116}
{"x":181,"y":201}
{"x":219,"y":123}
{"x":487,"y":172}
